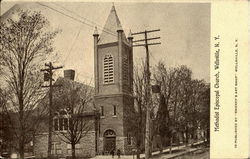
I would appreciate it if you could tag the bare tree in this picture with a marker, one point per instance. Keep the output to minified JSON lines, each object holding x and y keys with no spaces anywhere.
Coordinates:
{"x":168,"y":81}
{"x":180,"y":101}
{"x":76,"y":99}
{"x":5,"y":131}
{"x":204,"y":115}
{"x":25,"y":44}
{"x":138,"y":125}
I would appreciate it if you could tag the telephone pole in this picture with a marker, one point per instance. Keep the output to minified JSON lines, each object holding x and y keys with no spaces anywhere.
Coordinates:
{"x":48,"y":76}
{"x":147,"y":93}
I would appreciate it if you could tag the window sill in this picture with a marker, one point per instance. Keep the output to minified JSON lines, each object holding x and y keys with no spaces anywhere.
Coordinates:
{"x":102,"y":117}
{"x":61,"y":131}
{"x":106,"y":84}
{"x":114,"y":116}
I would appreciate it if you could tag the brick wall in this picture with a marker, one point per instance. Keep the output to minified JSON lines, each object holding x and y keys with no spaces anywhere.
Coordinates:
{"x":109,"y":121}
{"x":119,"y":123}
{"x":108,"y":88}
{"x":85,"y":148}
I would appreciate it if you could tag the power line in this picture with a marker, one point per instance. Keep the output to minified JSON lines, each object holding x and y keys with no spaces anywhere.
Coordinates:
{"x":96,"y":24}
{"x":69,"y":16}
{"x":90,"y":25}
{"x":93,"y":22}
{"x":72,"y":45}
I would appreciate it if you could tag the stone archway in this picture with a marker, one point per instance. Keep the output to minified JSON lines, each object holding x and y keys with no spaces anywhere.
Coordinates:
{"x":109,"y":141}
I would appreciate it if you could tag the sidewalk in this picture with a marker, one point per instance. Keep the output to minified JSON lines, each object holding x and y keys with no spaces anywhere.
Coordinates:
{"x":157,"y":155}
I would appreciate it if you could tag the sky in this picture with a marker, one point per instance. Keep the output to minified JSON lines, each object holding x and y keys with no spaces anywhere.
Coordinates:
{"x":184,"y":31}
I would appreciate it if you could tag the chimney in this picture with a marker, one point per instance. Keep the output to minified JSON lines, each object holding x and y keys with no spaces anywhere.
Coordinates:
{"x":69,"y":74}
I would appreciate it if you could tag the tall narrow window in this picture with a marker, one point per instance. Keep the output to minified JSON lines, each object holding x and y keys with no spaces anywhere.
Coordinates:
{"x":108,"y":69}
{"x":61,"y":121}
{"x":102,"y":111}
{"x":66,"y":123}
{"x":61,"y":124}
{"x":56,"y":123}
{"x":129,"y":139}
{"x":114,"y":107}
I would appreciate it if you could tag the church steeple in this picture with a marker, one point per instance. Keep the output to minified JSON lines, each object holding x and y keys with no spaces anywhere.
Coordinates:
{"x":113,"y":59}
{"x":112,"y":25}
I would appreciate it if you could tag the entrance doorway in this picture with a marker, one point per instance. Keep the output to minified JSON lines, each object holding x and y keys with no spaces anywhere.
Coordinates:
{"x":109,"y":141}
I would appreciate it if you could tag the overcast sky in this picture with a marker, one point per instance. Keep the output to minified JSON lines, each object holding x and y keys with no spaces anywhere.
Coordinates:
{"x":185,"y":32}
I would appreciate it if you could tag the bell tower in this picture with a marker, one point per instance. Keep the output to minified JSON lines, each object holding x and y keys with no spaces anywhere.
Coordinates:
{"x":113,"y":60}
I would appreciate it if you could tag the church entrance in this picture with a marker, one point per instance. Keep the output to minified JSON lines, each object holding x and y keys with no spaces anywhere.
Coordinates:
{"x":109,"y":141}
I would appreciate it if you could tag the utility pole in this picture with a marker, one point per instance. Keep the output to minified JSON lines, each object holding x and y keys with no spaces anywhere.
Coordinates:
{"x":147,"y":93}
{"x":48,"y":76}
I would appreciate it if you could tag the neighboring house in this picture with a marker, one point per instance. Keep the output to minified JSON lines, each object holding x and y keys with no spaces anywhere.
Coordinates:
{"x":87,"y":146}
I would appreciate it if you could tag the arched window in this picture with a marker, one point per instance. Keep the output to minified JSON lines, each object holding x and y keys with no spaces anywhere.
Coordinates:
{"x":108,"y":69}
{"x":61,"y":121}
{"x":109,"y":133}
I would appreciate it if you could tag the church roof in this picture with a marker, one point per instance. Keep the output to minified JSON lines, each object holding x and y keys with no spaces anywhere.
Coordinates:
{"x":109,"y":33}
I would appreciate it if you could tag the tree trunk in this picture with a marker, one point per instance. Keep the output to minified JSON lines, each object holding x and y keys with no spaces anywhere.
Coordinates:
{"x":171,"y":142}
{"x":21,"y":148}
{"x":22,"y":134}
{"x":186,"y":131}
{"x":150,"y":148}
{"x":138,"y":155}
{"x":138,"y":151}
{"x":73,"y":153}
{"x":208,"y":135}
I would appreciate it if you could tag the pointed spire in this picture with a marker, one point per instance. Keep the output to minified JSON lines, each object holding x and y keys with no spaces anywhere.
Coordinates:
{"x":96,"y":31}
{"x":119,"y":28}
{"x":113,"y":7}
{"x":112,"y":25}
{"x":130,"y":34}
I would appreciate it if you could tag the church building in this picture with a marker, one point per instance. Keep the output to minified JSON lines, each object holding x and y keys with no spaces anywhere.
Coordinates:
{"x":112,"y":110}
{"x":113,"y":63}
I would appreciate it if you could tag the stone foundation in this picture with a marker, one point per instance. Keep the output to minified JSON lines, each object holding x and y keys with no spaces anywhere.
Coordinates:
{"x":85,"y":148}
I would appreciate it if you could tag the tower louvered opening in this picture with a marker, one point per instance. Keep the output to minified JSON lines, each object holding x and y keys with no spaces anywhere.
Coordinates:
{"x":108,"y":69}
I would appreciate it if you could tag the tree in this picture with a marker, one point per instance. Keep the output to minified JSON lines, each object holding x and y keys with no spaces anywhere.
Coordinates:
{"x":74,"y":99}
{"x":25,"y":44}
{"x":204,"y":115}
{"x":138,"y":125}
{"x":180,"y":103}
{"x":5,"y":131}
{"x":167,"y":79}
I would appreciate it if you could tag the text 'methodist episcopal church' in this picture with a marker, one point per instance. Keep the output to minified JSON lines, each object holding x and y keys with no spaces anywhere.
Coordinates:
{"x":113,"y":66}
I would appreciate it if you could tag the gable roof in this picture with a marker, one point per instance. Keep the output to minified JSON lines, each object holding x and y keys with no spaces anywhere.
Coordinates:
{"x":64,"y":82}
{"x":109,"y":33}
{"x":57,"y":96}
